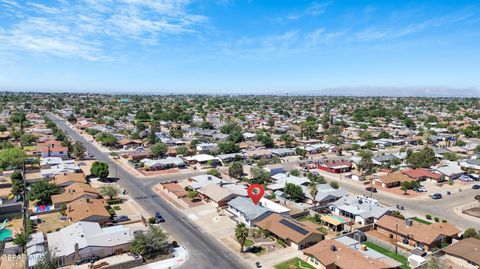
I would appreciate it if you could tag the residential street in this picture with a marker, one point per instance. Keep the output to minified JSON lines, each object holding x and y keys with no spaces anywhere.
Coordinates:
{"x":203,"y":250}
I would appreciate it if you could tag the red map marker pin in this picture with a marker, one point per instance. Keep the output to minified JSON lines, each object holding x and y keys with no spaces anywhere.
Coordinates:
{"x":255,"y":192}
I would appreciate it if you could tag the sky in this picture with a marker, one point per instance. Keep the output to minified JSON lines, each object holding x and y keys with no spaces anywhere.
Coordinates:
{"x":236,"y":47}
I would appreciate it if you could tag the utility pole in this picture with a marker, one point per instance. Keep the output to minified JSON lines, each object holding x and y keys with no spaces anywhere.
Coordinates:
{"x":396,"y":237}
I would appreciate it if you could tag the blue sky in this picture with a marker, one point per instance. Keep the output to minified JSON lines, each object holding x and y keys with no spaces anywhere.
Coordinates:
{"x":243,"y":46}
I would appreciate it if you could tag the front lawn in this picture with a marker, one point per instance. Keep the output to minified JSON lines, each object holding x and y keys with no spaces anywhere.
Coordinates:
{"x":248,"y":243}
{"x":388,"y":253}
{"x":421,"y":220}
{"x":294,"y":263}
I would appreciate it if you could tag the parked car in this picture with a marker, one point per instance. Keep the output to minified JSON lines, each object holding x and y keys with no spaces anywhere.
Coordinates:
{"x":159,"y":218}
{"x":421,"y":189}
{"x":120,"y":218}
{"x":476,"y":187}
{"x":372,"y":189}
{"x":436,"y":196}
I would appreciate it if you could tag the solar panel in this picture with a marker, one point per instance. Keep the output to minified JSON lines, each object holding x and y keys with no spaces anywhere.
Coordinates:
{"x":294,"y":227}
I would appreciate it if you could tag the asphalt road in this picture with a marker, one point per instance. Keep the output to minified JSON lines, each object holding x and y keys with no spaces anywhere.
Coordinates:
{"x":204,"y":251}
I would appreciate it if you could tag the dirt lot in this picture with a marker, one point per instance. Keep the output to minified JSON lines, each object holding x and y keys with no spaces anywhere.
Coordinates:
{"x":51,"y":222}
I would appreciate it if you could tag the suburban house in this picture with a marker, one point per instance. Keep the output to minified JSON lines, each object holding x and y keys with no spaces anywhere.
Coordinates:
{"x":207,"y":147}
{"x":335,"y":166}
{"x":55,"y":165}
{"x":470,"y":165}
{"x":280,"y":180}
{"x":333,"y":254}
{"x":83,"y":240}
{"x":360,"y":209}
{"x":259,"y":154}
{"x":202,"y":159}
{"x":216,"y":194}
{"x":325,"y":195}
{"x":463,"y":254}
{"x":67,"y":179}
{"x":244,"y":210}
{"x":74,"y":192}
{"x":422,"y":174}
{"x":298,"y":235}
{"x":201,"y":181}
{"x":35,"y":248}
{"x":88,"y":209}
{"x":161,"y":164}
{"x":52,"y":148}
{"x":274,"y":169}
{"x":394,"y":179}
{"x":283,"y":152}
{"x":416,"y":234}
{"x":451,"y":170}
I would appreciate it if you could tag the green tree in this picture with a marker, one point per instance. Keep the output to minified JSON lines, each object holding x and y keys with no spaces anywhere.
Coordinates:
{"x":294,"y":191}
{"x":235,"y":170}
{"x":295,"y":172}
{"x":334,"y":185}
{"x":383,"y":134}
{"x":78,"y":150}
{"x":48,"y":261}
{"x":206,"y":125}
{"x":405,"y":186}
{"x":28,"y":139}
{"x":241,"y":234}
{"x":228,"y":147}
{"x":287,"y":139}
{"x":182,"y":150}
{"x":470,"y":232}
{"x":159,"y":149}
{"x":260,"y":175}
{"x":99,"y":169}
{"x":42,"y":192}
{"x":18,"y":186}
{"x":192,"y":194}
{"x":366,"y":162}
{"x":214,"y":172}
{"x":21,"y":239}
{"x":309,"y":129}
{"x":265,"y":139}
{"x":151,"y":244}
{"x":12,"y":157}
{"x":109,"y":190}
{"x":301,"y":152}
{"x":424,"y":158}
{"x":313,"y":190}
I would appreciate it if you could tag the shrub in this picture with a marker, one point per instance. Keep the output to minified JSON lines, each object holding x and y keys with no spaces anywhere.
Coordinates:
{"x":436,"y":219}
{"x":444,"y":221}
{"x":428,"y":216}
{"x":151,"y":220}
{"x":116,"y":208}
{"x":175,"y":244}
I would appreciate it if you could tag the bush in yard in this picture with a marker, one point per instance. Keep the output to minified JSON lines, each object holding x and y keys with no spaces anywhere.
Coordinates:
{"x":444,"y":221}
{"x":116,"y":207}
{"x":437,"y":219}
{"x":151,"y":220}
{"x":428,"y":216}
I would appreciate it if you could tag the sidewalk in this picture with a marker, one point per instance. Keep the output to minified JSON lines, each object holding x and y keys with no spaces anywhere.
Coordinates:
{"x":181,"y":256}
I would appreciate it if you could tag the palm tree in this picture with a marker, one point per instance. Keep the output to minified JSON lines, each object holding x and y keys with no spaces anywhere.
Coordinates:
{"x":312,"y":188}
{"x":241,"y":234}
{"x":109,"y":190}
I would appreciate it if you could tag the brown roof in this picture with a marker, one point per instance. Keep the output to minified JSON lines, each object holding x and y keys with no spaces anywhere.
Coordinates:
{"x":84,"y":208}
{"x":467,"y":249}
{"x":424,"y":233}
{"x":421,"y":172}
{"x":282,"y":227}
{"x":73,"y":192}
{"x":395,"y":177}
{"x":342,"y":256}
{"x":69,"y":177}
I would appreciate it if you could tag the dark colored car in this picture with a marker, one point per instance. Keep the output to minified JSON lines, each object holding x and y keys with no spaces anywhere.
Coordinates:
{"x":372,"y":189}
{"x":120,"y":218}
{"x":159,"y":218}
{"x":436,"y":196}
{"x":476,"y":187}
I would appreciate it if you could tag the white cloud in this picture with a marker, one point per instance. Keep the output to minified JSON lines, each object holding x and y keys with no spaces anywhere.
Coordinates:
{"x":85,"y":28}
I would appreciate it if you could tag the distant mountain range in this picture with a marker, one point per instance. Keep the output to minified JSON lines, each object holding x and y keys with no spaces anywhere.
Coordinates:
{"x":395,"y":91}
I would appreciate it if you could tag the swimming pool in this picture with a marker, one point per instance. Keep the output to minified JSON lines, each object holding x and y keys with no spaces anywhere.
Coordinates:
{"x":5,"y":234}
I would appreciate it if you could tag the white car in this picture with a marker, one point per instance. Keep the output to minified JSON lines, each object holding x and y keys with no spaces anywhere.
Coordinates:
{"x":421,"y":189}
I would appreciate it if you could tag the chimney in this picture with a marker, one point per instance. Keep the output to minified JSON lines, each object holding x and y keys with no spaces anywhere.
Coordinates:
{"x":408,"y":222}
